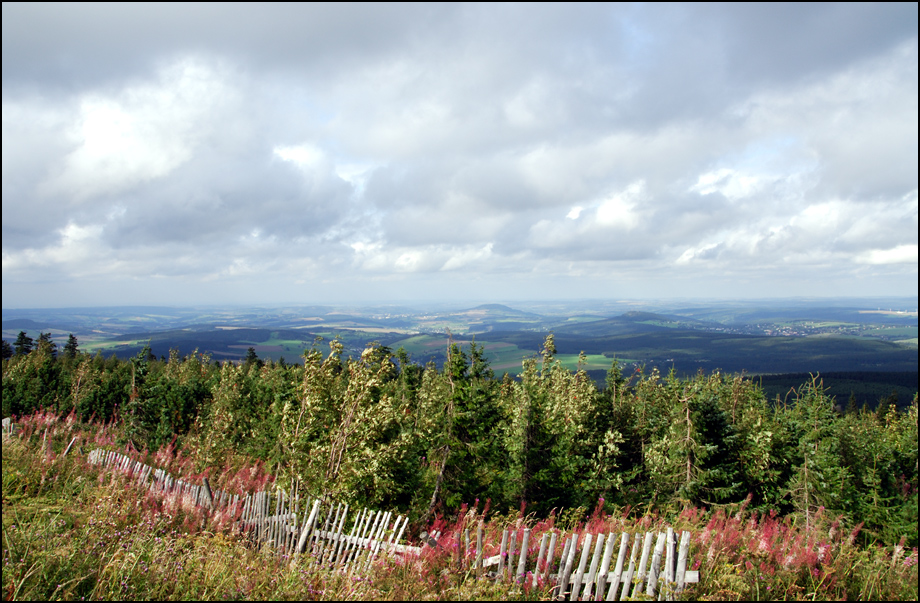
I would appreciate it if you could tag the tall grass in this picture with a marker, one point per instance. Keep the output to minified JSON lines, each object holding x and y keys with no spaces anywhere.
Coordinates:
{"x":73,"y":531}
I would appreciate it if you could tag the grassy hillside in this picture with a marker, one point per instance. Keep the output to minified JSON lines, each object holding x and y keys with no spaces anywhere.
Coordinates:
{"x":72,"y":531}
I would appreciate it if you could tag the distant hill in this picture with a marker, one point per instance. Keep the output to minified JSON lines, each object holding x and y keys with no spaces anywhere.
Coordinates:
{"x":636,"y":316}
{"x":867,"y":387}
{"x":23,"y":324}
{"x":500,"y":310}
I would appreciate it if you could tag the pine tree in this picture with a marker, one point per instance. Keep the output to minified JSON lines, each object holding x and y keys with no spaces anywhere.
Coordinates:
{"x":819,"y":478}
{"x":70,"y":348}
{"x":252,"y":358}
{"x":46,"y":345}
{"x":23,"y":344}
{"x":7,"y":350}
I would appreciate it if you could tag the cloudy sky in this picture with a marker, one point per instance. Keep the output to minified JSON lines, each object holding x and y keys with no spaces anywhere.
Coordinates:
{"x":187,"y":154}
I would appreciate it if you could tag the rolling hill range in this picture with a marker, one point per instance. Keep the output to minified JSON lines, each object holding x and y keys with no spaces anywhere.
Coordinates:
{"x":753,"y":339}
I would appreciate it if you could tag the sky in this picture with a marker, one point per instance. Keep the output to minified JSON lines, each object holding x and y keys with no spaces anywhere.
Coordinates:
{"x":174,"y":154}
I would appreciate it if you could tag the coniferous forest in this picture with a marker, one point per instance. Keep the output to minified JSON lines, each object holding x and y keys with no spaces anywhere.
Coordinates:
{"x":383,"y":431}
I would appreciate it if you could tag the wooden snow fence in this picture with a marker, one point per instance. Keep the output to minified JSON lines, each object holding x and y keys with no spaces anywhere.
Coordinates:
{"x":332,"y":537}
{"x":638,"y":570}
{"x":646,"y":565}
{"x":274,"y":519}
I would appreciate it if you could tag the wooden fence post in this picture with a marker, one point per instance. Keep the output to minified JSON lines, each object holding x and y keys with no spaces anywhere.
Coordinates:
{"x":579,"y":575}
{"x":503,"y":549}
{"x":567,"y":562}
{"x":592,"y":572}
{"x":605,"y":565}
{"x":478,"y":563}
{"x":302,"y":543}
{"x":522,"y":557}
{"x":627,"y":580}
{"x":536,"y":568}
{"x":654,"y":570}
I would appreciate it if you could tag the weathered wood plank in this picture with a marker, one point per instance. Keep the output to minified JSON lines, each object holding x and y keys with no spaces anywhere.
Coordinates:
{"x":603,"y":571}
{"x":502,"y":551}
{"x":643,"y":565}
{"x":305,"y":534}
{"x":579,"y":574}
{"x":627,"y":579}
{"x":655,"y":568}
{"x":589,"y":581}
{"x":617,"y":575}
{"x":566,"y":565}
{"x":537,"y":566}
{"x":522,"y":557}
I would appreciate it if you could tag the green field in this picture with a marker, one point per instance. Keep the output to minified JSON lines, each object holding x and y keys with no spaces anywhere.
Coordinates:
{"x":906,"y":332}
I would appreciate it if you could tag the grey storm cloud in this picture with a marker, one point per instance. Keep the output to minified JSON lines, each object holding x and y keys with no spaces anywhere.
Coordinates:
{"x":322,"y":148}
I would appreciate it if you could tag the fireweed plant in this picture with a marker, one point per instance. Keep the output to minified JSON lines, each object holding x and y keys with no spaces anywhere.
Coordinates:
{"x":74,"y":531}
{"x":790,"y":498}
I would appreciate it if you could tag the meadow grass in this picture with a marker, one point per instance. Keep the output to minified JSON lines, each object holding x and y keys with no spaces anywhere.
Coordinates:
{"x":72,"y":531}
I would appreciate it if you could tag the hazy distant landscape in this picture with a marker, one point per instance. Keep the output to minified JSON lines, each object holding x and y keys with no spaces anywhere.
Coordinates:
{"x":854,"y":343}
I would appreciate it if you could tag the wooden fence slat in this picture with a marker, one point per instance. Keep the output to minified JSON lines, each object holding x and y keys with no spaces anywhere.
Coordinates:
{"x":371,"y":542}
{"x":356,"y":544}
{"x":365,"y":539}
{"x":355,"y":533}
{"x":604,"y":569}
{"x":522,"y":557}
{"x":381,"y":534}
{"x":682,"y":560}
{"x":512,"y":547}
{"x":365,"y":544}
{"x":341,"y":537}
{"x":282,"y":531}
{"x":633,"y":554}
{"x":536,"y":567}
{"x":655,"y":568}
{"x":618,"y":570}
{"x":562,"y":559}
{"x":396,"y":544}
{"x":592,"y":572}
{"x":341,"y":540}
{"x":579,"y":574}
{"x":566,"y":564}
{"x":69,"y":446}
{"x":316,"y":539}
{"x":329,"y":547}
{"x":478,"y":563}
{"x":389,"y":547}
{"x":305,"y":534}
{"x":275,"y":536}
{"x":670,"y":564}
{"x":503,"y":549}
{"x":550,"y":555}
{"x":643,"y":565}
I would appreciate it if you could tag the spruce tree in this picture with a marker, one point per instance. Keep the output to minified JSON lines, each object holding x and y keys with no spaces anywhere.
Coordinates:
{"x":23,"y":344}
{"x":46,"y":345}
{"x":70,"y":348}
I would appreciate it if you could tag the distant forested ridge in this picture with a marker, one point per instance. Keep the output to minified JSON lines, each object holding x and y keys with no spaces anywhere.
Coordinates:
{"x":849,"y":388}
{"x":381,"y":430}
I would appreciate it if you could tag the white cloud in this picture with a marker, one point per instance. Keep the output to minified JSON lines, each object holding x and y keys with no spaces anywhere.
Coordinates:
{"x":620,"y":209}
{"x":536,"y":141}
{"x":303,"y":155}
{"x":574,"y":212}
{"x":902,"y":254}
{"x":732,"y":184}
{"x":143,"y":132}
{"x":467,"y":256}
